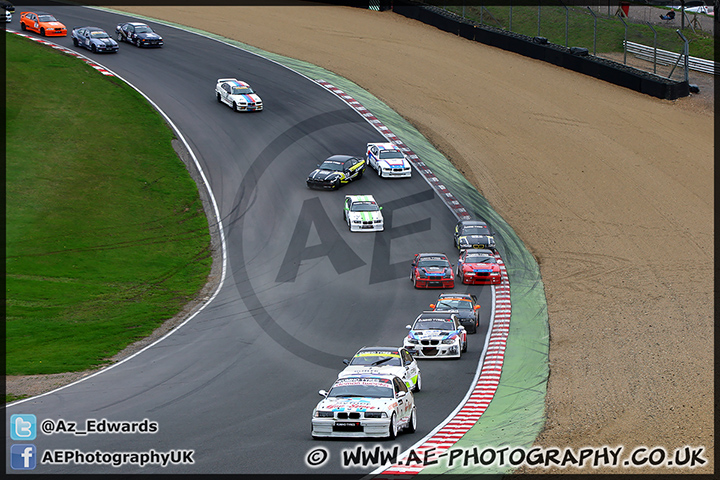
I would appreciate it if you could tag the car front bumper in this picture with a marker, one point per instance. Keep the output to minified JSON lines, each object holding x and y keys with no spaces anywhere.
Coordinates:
{"x":435,"y":283}
{"x":434,"y":351}
{"x":395,"y":173}
{"x":473,"y":279}
{"x":366,"y":427}
{"x":376,"y":227}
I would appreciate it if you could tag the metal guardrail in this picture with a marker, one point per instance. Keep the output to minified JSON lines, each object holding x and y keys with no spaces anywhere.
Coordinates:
{"x":665,"y":57}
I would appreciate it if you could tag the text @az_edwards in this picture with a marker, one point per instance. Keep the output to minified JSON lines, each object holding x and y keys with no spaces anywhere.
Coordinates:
{"x":93,"y":425}
{"x":536,"y":457}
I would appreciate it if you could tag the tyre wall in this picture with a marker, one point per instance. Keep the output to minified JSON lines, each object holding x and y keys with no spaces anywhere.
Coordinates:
{"x":577,"y":60}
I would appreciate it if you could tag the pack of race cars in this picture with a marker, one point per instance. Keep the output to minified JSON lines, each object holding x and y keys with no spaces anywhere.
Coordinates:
{"x":93,"y":38}
{"x":374,"y":395}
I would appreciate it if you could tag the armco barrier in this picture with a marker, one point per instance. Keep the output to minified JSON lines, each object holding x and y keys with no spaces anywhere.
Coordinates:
{"x":601,"y":68}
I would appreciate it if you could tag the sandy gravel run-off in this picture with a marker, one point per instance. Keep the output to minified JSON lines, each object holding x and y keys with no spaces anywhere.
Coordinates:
{"x":610,"y":189}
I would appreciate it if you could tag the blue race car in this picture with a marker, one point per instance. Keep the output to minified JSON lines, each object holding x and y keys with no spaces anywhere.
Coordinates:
{"x":94,"y":39}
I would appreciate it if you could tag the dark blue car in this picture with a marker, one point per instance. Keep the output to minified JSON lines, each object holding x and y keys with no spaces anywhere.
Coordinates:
{"x":94,"y":39}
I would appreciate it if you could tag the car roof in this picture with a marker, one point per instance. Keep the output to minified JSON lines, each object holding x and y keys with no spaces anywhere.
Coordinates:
{"x":420,"y":255}
{"x":444,"y":314}
{"x":472,"y":222}
{"x":464,"y":296}
{"x":361,"y":376}
{"x":386,"y":146}
{"x":137,"y":24}
{"x":340,"y":158}
{"x":379,"y":349}
{"x":479,"y":251}
{"x":361,"y":198}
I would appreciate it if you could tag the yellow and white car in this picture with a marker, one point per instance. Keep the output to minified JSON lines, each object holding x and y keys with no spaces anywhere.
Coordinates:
{"x":362,"y":214}
{"x":385,"y":360}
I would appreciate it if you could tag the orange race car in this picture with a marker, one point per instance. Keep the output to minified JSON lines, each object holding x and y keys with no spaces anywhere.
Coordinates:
{"x":42,"y":23}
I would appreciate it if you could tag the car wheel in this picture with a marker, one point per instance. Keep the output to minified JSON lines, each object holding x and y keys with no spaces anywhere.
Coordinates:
{"x":93,"y":49}
{"x":418,"y":384}
{"x":337,"y":184}
{"x":464,"y":348}
{"x":22,"y":26}
{"x":412,"y":424}
{"x":42,"y":32}
{"x":218,"y":98}
{"x":119,"y":37}
{"x":415,"y":282}
{"x":379,"y":170}
{"x":75,"y":42}
{"x":359,"y":175}
{"x":393,"y":428}
{"x":137,"y":42}
{"x":472,"y":331}
{"x":235,"y":106}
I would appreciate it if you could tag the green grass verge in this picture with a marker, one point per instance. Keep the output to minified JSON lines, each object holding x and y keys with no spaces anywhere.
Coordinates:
{"x":603,"y":34}
{"x":106,"y":236}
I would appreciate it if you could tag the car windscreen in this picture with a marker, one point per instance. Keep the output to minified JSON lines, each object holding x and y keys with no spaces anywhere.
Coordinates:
{"x":98,"y":34}
{"x":362,"y":388}
{"x":143,"y":29}
{"x":390,"y":154}
{"x":479,"y":259}
{"x":335,"y":166}
{"x":476,"y":230}
{"x":433,"y":324}
{"x":376,"y":360}
{"x":242,"y":91}
{"x":364,"y":207}
{"x":432,"y":263}
{"x":46,"y":18}
{"x":448,"y":304}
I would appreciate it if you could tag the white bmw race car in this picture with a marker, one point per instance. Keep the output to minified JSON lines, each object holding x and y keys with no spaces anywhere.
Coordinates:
{"x":362,"y":214}
{"x":436,"y":334}
{"x":385,"y":360}
{"x":237,"y":95}
{"x":388,"y":160}
{"x":365,"y":406}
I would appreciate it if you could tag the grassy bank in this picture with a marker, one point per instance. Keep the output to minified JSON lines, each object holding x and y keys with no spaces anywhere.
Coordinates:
{"x":106,"y":235}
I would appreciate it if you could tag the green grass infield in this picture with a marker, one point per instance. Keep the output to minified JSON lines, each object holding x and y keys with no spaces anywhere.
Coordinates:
{"x":106,"y":236}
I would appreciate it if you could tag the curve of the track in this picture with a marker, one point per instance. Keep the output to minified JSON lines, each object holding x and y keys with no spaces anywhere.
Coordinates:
{"x":237,"y":384}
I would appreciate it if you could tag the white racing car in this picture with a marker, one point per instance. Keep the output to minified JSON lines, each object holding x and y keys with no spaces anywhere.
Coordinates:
{"x":365,"y":406}
{"x":362,"y":214}
{"x":436,"y":334}
{"x":388,"y":160}
{"x":237,"y":95}
{"x":385,"y":360}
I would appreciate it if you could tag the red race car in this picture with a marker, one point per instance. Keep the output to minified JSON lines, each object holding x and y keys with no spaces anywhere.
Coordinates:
{"x":478,"y":266}
{"x":431,"y":270}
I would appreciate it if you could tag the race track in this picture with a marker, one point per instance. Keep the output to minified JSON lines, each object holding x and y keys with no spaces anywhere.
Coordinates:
{"x":237,"y":384}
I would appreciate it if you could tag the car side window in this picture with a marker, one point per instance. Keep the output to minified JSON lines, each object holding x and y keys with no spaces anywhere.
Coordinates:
{"x":131,"y":28}
{"x":406,"y":357}
{"x":400,"y":385}
{"x":374,"y":150}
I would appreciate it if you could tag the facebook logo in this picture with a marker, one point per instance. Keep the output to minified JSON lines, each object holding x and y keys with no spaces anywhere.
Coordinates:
{"x":23,"y":427}
{"x":22,"y":457}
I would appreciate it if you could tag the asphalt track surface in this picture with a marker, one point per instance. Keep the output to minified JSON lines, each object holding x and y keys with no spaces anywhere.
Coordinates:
{"x":237,"y":383}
